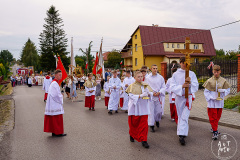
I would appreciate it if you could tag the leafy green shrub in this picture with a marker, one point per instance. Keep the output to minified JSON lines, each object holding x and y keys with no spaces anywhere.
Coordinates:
{"x":201,"y":81}
{"x":232,"y":102}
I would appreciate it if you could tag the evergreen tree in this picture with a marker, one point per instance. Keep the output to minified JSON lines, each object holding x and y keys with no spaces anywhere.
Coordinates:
{"x":29,"y":55}
{"x":53,"y":41}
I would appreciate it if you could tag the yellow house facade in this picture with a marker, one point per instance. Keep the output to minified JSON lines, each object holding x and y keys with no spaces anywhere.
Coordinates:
{"x":149,"y":45}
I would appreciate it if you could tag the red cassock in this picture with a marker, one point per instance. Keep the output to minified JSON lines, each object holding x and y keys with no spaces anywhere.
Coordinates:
{"x":138,"y":127}
{"x":90,"y":101}
{"x":106,"y":101}
{"x":53,"y":124}
{"x":214,"y":115}
{"x":45,"y":96}
{"x":121,"y":102}
{"x":173,"y":111}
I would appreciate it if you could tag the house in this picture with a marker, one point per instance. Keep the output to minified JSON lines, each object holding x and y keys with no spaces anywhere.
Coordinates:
{"x":153,"y":44}
{"x":105,"y":59}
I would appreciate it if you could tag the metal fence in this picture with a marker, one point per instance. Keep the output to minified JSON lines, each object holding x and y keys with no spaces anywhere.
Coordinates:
{"x":229,"y":69}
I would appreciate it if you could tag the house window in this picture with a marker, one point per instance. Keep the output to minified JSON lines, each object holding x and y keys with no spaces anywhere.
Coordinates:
{"x":135,"y":47}
{"x":167,"y":45}
{"x":173,"y":45}
{"x":184,"y":46}
{"x":136,"y":62}
{"x":135,"y":36}
{"x":131,"y":52}
{"x":196,"y":46}
{"x":178,"y":45}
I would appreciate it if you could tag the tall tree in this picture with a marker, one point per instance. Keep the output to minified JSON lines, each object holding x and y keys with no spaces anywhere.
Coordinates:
{"x":88,"y":55}
{"x":53,"y":41}
{"x":114,"y":60}
{"x":29,"y":55}
{"x":6,"y":56}
{"x":81,"y":61}
{"x":220,"y":52}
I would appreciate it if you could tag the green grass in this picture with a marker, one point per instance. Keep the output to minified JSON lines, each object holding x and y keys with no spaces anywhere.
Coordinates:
{"x":5,"y":109}
{"x":232,"y":102}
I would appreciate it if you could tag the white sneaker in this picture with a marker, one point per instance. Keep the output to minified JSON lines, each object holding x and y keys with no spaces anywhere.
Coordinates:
{"x":173,"y":120}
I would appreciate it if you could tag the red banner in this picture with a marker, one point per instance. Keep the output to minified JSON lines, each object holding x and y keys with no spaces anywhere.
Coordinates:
{"x":61,"y":67}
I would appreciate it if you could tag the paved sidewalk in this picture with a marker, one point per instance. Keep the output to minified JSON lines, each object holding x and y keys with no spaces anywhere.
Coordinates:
{"x":199,"y":111}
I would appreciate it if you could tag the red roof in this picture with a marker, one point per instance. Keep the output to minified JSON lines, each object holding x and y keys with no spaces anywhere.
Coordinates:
{"x":152,"y":34}
{"x":105,"y":56}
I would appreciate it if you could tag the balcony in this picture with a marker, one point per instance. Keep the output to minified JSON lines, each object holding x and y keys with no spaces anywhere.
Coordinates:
{"x":127,"y":54}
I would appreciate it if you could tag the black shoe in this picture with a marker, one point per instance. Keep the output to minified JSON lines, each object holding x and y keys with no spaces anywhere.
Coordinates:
{"x":110,"y":112}
{"x":131,"y":139}
{"x":93,"y":109}
{"x":157,"y":124}
{"x":116,"y":111}
{"x":215,"y":135}
{"x":181,"y":140}
{"x":90,"y":108}
{"x":145,"y":144}
{"x":58,"y":135}
{"x":61,"y":135}
{"x":44,"y":100}
{"x":152,"y":129}
{"x":126,"y":111}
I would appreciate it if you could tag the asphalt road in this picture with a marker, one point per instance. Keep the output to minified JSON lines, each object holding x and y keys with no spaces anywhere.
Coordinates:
{"x":97,"y":135}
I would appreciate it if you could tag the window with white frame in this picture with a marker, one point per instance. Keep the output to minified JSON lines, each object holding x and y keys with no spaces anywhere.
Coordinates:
{"x":167,"y":45}
{"x":173,"y":45}
{"x":178,"y":45}
{"x":196,"y":46}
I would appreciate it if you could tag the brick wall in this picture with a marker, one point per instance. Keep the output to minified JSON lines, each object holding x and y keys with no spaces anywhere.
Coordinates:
{"x":164,"y":70}
{"x":238,"y":82}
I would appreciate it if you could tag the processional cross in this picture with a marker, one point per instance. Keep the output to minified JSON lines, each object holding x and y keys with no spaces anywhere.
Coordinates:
{"x":187,"y":51}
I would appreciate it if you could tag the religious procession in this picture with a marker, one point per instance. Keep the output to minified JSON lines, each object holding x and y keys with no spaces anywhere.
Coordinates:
{"x":141,"y":95}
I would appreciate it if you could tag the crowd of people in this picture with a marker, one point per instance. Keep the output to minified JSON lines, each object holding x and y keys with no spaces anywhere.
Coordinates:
{"x":140,"y":94}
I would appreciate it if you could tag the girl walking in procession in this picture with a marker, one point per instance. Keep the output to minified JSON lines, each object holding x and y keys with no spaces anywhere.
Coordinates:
{"x":90,"y":88}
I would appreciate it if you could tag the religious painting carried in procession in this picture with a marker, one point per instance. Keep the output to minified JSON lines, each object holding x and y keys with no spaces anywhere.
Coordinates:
{"x":78,"y":71}
{"x":30,"y":70}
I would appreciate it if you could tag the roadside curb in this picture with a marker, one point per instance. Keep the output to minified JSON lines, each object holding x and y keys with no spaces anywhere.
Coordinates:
{"x":219,"y":123}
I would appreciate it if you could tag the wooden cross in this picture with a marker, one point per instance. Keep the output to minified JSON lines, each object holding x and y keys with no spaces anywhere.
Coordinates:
{"x":187,"y":51}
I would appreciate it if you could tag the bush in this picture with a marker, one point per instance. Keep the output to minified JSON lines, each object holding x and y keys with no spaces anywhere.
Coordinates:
{"x":201,"y":81}
{"x":232,"y":102}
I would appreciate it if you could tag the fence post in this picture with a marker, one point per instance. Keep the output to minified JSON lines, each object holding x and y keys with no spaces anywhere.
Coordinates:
{"x":164,"y":70}
{"x":238,"y":73}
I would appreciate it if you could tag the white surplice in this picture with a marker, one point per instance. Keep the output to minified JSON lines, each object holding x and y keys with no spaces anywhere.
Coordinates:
{"x":178,"y":79}
{"x":54,"y":105}
{"x":46,"y":84}
{"x":128,"y":81}
{"x":211,"y":97}
{"x":138,"y":106}
{"x":170,"y":93}
{"x":156,"y":104}
{"x":115,"y":95}
{"x":106,"y":88}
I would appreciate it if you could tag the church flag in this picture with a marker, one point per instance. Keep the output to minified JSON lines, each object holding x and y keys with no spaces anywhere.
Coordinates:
{"x":61,"y":67}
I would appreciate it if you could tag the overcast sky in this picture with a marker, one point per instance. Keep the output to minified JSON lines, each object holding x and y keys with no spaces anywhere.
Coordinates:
{"x":115,"y":20}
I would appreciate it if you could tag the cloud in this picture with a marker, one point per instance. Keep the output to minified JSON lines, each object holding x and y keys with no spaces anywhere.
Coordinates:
{"x":115,"y":20}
